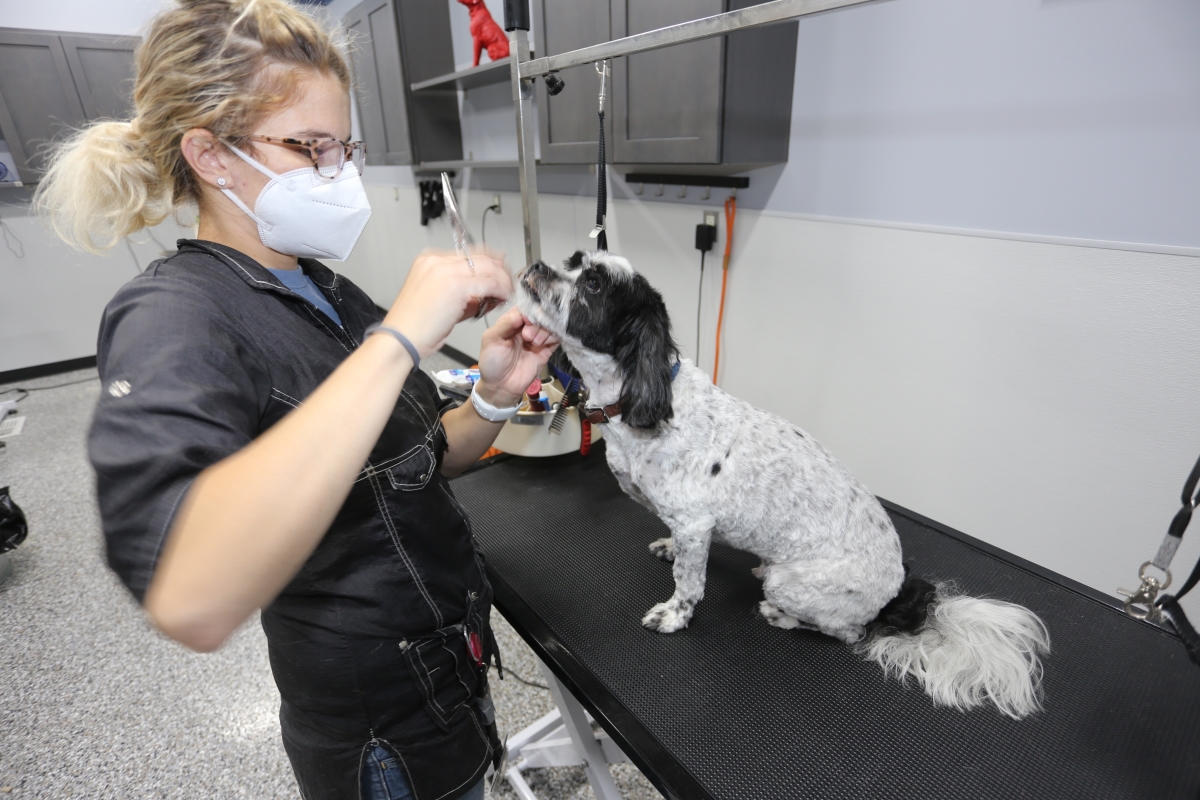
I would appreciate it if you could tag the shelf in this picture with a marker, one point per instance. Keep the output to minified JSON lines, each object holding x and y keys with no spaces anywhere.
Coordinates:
{"x":472,"y":78}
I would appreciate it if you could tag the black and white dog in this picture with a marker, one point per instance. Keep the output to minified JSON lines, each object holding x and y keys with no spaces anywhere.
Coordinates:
{"x":712,"y":466}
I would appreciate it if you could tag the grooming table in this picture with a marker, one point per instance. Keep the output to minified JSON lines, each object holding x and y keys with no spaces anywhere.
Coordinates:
{"x":733,"y":708}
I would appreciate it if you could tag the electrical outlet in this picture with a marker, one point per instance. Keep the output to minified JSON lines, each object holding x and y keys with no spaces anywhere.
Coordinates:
{"x":496,"y":203}
{"x":710,"y":218}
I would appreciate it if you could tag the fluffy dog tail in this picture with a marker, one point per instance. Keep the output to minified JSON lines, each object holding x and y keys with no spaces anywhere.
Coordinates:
{"x":963,"y":651}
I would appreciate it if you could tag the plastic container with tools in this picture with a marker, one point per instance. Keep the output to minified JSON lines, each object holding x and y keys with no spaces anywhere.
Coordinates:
{"x":528,"y":433}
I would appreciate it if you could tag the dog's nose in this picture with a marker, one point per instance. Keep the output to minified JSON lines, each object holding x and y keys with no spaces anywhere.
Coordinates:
{"x":539,"y":268}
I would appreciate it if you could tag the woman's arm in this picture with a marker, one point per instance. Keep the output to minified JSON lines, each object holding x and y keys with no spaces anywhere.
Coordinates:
{"x":510,"y":355}
{"x":249,"y":522}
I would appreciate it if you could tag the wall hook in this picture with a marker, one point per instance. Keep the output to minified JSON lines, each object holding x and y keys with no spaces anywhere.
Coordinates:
{"x":707,"y":193}
{"x":640,"y":187}
{"x":682,"y":190}
{"x":660,"y":191}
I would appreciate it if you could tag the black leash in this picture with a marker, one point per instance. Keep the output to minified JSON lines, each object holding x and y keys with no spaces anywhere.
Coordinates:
{"x":598,"y":233}
{"x":1145,"y":603}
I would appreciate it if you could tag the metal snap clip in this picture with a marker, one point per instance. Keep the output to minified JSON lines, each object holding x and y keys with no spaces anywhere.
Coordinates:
{"x":1145,"y":595}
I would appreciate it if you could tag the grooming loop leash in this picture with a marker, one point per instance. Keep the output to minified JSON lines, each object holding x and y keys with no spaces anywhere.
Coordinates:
{"x":598,"y":233}
{"x":1145,"y":602}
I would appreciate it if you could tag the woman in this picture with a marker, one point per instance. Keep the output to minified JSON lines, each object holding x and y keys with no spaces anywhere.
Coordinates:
{"x":255,"y":445}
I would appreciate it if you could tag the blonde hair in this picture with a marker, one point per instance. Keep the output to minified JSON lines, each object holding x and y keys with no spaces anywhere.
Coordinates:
{"x":222,"y":65}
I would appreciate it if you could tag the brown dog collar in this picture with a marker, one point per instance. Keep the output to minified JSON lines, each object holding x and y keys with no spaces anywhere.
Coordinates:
{"x":599,"y":416}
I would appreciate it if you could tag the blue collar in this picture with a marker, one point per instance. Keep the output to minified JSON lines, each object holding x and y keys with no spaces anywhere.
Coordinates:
{"x":675,"y":369}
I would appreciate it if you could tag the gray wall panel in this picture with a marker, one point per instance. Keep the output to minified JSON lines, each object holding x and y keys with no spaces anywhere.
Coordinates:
{"x":1051,"y":117}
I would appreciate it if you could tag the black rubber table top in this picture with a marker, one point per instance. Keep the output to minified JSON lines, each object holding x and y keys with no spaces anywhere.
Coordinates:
{"x":733,"y":708}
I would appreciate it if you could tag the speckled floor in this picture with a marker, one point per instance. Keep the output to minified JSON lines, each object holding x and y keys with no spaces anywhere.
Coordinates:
{"x":96,"y":704}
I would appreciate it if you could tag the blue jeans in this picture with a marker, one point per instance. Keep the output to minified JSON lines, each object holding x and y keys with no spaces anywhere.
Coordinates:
{"x":382,"y":778}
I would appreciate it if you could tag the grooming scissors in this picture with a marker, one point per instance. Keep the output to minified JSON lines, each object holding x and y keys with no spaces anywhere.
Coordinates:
{"x":463,"y":242}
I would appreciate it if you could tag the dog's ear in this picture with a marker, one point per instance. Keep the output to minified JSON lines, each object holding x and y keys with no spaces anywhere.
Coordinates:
{"x":646,"y":353}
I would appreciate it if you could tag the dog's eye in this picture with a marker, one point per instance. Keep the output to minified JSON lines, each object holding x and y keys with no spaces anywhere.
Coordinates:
{"x":592,"y":285}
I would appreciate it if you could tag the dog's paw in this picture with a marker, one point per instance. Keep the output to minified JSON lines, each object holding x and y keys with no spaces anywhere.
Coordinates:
{"x":663,"y":548}
{"x":668,"y":617}
{"x":778,"y":618}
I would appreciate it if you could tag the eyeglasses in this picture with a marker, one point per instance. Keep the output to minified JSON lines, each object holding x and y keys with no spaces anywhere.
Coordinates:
{"x":328,"y":155}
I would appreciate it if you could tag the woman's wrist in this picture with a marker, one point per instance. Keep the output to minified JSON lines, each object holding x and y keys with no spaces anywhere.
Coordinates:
{"x":392,"y":349}
{"x":495,"y":396}
{"x":400,"y":338}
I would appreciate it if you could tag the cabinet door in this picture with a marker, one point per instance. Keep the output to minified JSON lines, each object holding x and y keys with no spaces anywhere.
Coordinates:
{"x":667,"y":102}
{"x":103,"y":70}
{"x":568,"y":123}
{"x":38,"y":101}
{"x":379,"y":82}
{"x":428,"y":52}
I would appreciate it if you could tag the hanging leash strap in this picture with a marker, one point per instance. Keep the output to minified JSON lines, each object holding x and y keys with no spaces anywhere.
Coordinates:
{"x":1144,"y":602}
{"x":598,"y":233}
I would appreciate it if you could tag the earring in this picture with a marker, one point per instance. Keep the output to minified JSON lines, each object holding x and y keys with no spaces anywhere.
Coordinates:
{"x":220,"y":181}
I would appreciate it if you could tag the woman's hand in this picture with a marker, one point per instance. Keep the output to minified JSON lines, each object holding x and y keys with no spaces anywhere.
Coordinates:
{"x":512,"y":352}
{"x":441,"y":291}
{"x":510,"y":355}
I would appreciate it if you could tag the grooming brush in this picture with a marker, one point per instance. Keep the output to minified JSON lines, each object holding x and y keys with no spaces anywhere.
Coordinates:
{"x":570,"y":397}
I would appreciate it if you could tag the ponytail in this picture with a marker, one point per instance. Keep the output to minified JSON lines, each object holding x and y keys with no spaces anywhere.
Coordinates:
{"x":100,"y":187}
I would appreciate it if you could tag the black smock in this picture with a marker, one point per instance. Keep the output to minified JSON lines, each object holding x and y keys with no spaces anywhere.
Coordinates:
{"x":198,"y":356}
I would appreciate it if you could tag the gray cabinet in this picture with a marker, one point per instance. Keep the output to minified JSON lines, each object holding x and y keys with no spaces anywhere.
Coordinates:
{"x":667,"y":103}
{"x":103,"y":69}
{"x":725,"y":101}
{"x":379,"y":81}
{"x":51,"y":82}
{"x":399,"y":43}
{"x":428,"y":51}
{"x":38,"y":100}
{"x":568,"y":122}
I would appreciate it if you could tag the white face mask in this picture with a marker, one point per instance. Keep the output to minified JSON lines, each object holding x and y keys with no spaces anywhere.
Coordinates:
{"x":300,"y":213}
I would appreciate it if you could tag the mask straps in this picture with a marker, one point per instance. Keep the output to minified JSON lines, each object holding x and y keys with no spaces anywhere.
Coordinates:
{"x":237,"y":201}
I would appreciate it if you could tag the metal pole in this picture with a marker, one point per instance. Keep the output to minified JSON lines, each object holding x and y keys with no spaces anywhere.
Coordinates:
{"x":574,"y":718}
{"x":769,"y":13}
{"x":517,"y":23}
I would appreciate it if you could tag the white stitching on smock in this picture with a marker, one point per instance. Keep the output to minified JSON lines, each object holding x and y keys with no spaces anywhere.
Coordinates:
{"x":412,"y":570}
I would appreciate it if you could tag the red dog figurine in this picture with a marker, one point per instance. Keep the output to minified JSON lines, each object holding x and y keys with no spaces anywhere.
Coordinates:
{"x":486,"y":32}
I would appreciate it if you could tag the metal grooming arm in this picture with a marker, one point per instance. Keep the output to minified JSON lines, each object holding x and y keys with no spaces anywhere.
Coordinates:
{"x":516,"y":22}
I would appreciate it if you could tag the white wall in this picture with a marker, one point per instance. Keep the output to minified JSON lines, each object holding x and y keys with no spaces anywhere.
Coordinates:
{"x":51,"y":299}
{"x":124,"y":18}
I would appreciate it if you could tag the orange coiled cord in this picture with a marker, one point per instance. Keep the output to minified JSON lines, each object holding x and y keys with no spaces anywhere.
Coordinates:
{"x":730,"y":215}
